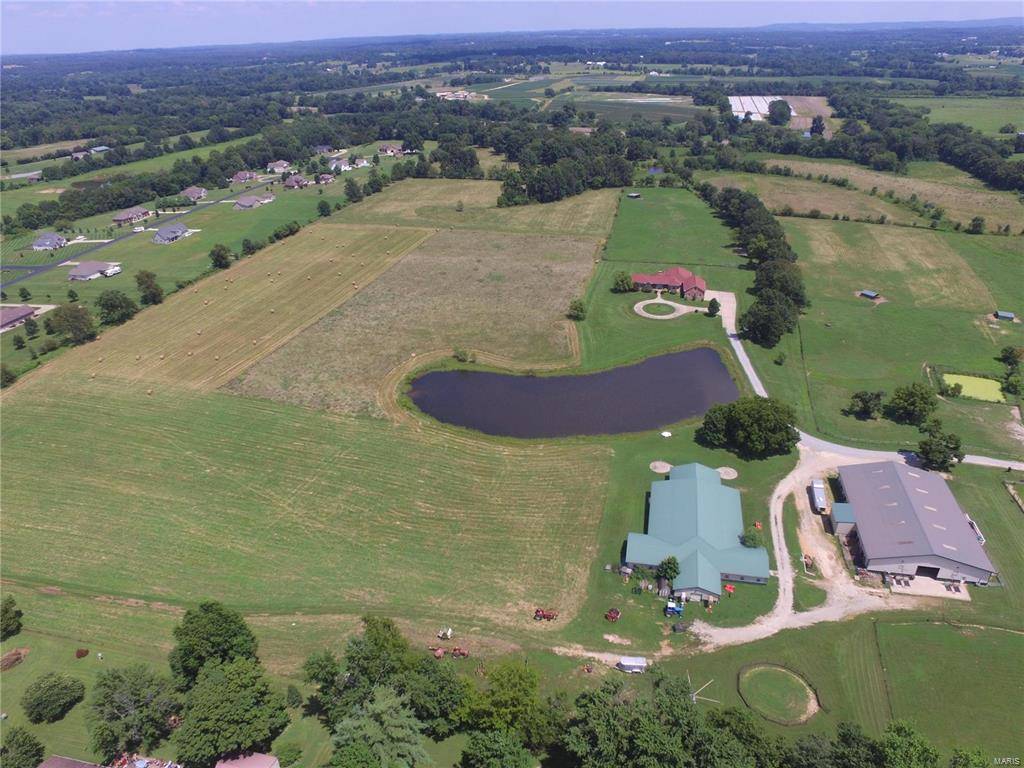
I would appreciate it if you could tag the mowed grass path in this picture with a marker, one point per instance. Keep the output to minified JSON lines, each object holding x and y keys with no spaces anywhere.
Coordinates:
{"x":205,"y":335}
{"x":940,"y":289}
{"x":182,"y":496}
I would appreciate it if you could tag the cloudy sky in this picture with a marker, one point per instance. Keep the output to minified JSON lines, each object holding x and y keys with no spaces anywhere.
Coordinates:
{"x":39,"y":26}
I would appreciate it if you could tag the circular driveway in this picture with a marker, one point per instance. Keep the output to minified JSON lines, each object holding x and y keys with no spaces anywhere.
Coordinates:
{"x":677,"y":309}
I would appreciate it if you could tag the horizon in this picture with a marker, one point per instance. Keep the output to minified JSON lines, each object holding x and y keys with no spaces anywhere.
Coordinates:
{"x":90,"y":27}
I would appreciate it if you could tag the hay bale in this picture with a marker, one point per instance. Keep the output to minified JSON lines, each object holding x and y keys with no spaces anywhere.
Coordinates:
{"x":149,"y":391}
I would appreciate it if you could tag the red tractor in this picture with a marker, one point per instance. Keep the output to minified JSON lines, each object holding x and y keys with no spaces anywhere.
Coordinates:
{"x":541,"y":615}
{"x":613,"y":614}
{"x":459,"y":653}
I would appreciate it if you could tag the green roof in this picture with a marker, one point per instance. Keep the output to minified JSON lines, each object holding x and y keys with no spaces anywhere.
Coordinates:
{"x":699,"y":521}
{"x":842,"y":512}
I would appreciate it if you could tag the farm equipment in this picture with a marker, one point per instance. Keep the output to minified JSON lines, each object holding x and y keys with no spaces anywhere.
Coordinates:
{"x":438,"y":652}
{"x":672,"y":608}
{"x":459,"y":653}
{"x":447,"y":633}
{"x":612,"y":614}
{"x":541,"y":615}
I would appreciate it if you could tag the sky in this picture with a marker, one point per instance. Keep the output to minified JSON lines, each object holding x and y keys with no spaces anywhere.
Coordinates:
{"x":41,"y":26}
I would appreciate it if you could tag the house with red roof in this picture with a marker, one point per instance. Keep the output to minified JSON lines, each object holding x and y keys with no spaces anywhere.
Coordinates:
{"x":675,"y":279}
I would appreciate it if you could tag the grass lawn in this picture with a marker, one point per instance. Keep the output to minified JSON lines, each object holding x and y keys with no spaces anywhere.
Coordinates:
{"x":807,"y":592}
{"x":977,"y":668}
{"x":775,"y":693}
{"x":939,"y":288}
{"x":987,"y":114}
{"x":976,"y":387}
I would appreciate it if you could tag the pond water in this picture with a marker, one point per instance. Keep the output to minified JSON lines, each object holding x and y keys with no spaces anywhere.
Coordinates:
{"x":659,"y":391}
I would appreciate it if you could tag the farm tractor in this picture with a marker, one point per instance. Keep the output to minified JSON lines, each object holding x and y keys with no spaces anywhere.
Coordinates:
{"x":612,"y":614}
{"x":541,"y":615}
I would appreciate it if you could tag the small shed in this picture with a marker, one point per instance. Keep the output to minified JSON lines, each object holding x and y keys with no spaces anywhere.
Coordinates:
{"x":869,"y":294}
{"x":818,"y":492}
{"x":633,"y":665}
{"x":842,"y":518}
{"x":1002,"y":314}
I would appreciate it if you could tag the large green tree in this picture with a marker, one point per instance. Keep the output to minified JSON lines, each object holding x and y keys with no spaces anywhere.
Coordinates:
{"x":385,"y":724}
{"x":150,"y":291}
{"x":51,"y":696}
{"x":10,"y":617}
{"x":21,"y":749}
{"x":912,"y":403}
{"x":772,"y":315}
{"x":779,"y":112}
{"x":210,"y":632}
{"x":130,"y":710}
{"x":230,"y":709}
{"x":511,"y":702}
{"x":496,"y":749}
{"x":903,"y":747}
{"x":751,"y":427}
{"x":115,"y":307}
{"x":74,"y":322}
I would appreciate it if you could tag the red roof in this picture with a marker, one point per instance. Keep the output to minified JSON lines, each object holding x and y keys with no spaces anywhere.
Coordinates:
{"x":676,"y":277}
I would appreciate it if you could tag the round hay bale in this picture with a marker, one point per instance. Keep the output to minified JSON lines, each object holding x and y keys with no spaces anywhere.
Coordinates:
{"x":199,"y":332}
{"x":92,"y":375}
{"x":254,"y":342}
{"x":190,"y":354}
{"x":206,"y":302}
{"x":149,"y":391}
{"x":216,"y":357}
{"x":161,"y":357}
{"x":271,"y":311}
{"x":138,"y":357}
{"x":727,"y":473}
{"x":99,"y":360}
{"x":661,"y":467}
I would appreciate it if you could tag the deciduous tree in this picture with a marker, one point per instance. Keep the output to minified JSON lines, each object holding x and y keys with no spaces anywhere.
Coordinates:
{"x":911,"y":404}
{"x":130,"y":710}
{"x":751,"y":427}
{"x":10,"y":617}
{"x":150,"y":291}
{"x":115,"y":307}
{"x":74,"y":323}
{"x":51,"y":696}
{"x":211,"y":632}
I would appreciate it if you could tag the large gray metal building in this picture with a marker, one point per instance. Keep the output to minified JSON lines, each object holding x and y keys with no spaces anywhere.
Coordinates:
{"x":908,"y":522}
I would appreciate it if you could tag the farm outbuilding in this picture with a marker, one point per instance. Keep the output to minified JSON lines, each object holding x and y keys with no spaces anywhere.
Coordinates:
{"x":842,"y":518}
{"x":1002,"y":314}
{"x":699,"y":521}
{"x":906,"y":521}
{"x":869,"y":294}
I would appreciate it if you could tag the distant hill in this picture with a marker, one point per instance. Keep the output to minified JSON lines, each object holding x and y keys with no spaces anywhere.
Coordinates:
{"x":1007,"y":21}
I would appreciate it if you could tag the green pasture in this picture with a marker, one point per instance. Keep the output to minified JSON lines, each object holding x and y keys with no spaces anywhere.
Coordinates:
{"x":940,"y":290}
{"x":987,"y":114}
{"x":807,"y":590}
{"x":623,"y":107}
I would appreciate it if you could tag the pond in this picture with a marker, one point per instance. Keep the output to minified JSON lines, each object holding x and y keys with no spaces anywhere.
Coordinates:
{"x":659,"y":391}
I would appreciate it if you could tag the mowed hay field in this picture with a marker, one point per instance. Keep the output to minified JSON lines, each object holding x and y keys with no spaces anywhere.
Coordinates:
{"x":504,"y":295}
{"x":987,"y":114}
{"x":802,"y":196}
{"x":961,"y":202}
{"x":939,"y":290}
{"x":207,"y":334}
{"x":184,"y":495}
{"x":433,"y":203}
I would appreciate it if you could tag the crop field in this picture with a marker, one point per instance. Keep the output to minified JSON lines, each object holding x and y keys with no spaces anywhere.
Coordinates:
{"x":622,"y":107}
{"x":802,"y":196}
{"x":961,"y":201}
{"x":204,"y":336}
{"x":501,"y":294}
{"x":433,"y":203}
{"x":938,"y":290}
{"x":976,"y":667}
{"x":987,"y":115}
{"x":352,"y":508}
{"x":13,"y":155}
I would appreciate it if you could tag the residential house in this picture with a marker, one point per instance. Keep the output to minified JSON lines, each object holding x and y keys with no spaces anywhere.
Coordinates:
{"x":90,"y":270}
{"x":296,"y":181}
{"x":390,"y":150}
{"x":278,"y":166}
{"x":13,"y":316}
{"x":132,"y":215}
{"x":79,"y":155}
{"x":361,"y":162}
{"x":675,"y":279}
{"x":248,"y":202}
{"x":340,"y":164}
{"x":49,"y":241}
{"x":195,"y":194}
{"x":243,"y":176}
{"x":325,"y":178}
{"x":699,"y":521}
{"x":171,"y":233}
{"x":908,"y":523}
{"x":323,"y":149}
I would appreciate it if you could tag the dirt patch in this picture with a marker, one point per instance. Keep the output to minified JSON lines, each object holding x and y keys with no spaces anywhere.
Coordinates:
{"x":13,"y":658}
{"x":51,"y":590}
{"x":132,"y":602}
{"x":503,"y":295}
{"x":616,"y":640}
{"x":579,"y":652}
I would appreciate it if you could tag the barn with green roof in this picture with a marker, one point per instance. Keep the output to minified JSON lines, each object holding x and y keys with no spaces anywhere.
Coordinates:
{"x":699,"y":521}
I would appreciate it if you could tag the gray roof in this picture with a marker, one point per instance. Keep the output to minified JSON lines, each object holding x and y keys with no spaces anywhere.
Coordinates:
{"x":49,"y":240}
{"x":14,"y":314}
{"x":193,"y":191}
{"x":128,"y":213}
{"x":171,"y":231}
{"x":86,"y":268}
{"x":903,"y":511}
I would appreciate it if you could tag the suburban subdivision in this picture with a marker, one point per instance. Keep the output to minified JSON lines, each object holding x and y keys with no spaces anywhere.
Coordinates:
{"x":593,"y":398}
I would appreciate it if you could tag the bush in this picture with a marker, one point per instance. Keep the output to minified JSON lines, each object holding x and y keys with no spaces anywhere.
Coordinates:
{"x":81,"y":653}
{"x":10,"y":617}
{"x":464,"y":356}
{"x":752,"y":537}
{"x":288,"y":753}
{"x":623,"y":283}
{"x":7,"y":376}
{"x":714,"y":307}
{"x":577,"y":310}
{"x":293,"y":697}
{"x":50,"y":697}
